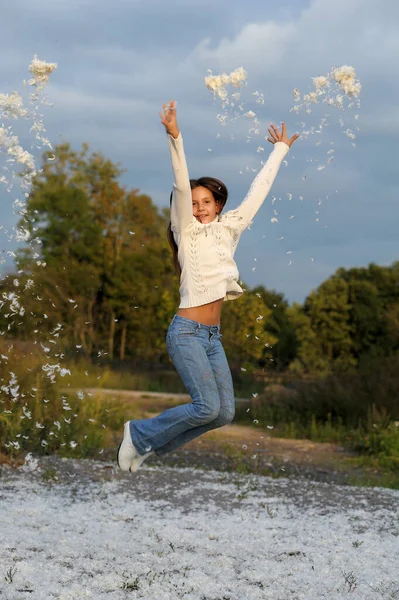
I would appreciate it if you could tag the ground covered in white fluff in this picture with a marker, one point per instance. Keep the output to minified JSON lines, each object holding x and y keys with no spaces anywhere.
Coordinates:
{"x":74,"y":529}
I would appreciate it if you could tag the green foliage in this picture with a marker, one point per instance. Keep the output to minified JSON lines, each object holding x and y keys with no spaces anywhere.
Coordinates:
{"x":352,"y":318}
{"x":379,"y":436}
{"x":245,"y":338}
{"x":365,"y":309}
{"x":109,"y":289}
{"x":122,"y":376}
{"x":328,"y":310}
{"x":36,"y":415}
{"x":309,"y":358}
{"x":281,"y":327}
{"x":359,"y":410}
{"x":99,"y":243}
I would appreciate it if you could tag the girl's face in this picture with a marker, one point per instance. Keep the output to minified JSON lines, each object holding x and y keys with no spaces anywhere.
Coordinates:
{"x":205,"y":207}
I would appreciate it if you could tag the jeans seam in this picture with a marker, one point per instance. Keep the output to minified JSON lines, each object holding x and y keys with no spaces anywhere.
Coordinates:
{"x":145,"y":439}
{"x":193,"y":378}
{"x":176,"y":330}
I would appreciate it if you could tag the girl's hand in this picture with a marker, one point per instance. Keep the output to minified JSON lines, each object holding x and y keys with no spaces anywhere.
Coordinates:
{"x":168,"y":119}
{"x":277,"y":136}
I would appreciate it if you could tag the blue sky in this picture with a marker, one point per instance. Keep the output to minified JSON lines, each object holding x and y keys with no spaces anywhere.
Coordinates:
{"x":119,"y":61}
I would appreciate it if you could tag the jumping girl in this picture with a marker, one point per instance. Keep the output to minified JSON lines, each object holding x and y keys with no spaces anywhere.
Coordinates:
{"x":203,"y":243}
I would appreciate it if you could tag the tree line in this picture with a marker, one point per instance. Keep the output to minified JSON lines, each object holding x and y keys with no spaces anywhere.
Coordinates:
{"x":97,"y":275}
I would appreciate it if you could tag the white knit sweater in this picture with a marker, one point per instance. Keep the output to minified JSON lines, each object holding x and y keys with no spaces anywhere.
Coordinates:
{"x":206,"y":251}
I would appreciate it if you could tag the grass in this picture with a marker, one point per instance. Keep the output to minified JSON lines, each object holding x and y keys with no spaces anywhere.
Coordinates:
{"x":35,"y":416}
{"x":45,"y":420}
{"x":375,"y":439}
{"x":48,"y":422}
{"x":86,"y":375}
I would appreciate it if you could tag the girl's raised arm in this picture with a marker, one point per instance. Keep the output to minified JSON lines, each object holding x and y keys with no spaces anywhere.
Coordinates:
{"x":262,"y":183}
{"x":181,"y":208}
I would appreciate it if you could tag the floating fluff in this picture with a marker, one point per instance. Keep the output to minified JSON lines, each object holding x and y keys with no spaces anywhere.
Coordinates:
{"x":41,"y":71}
{"x":217,"y":83}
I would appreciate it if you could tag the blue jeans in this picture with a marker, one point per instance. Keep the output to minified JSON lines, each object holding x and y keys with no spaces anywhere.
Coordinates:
{"x":198,"y":356}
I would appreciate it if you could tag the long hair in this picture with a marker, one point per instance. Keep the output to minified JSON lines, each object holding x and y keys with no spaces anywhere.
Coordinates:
{"x":220,"y":193}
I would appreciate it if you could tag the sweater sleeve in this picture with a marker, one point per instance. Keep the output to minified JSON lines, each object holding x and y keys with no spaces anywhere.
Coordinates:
{"x":260,"y":187}
{"x":181,"y":208}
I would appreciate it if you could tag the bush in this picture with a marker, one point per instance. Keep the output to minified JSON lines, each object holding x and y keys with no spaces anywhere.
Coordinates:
{"x":360,"y":410}
{"x":37,"y":416}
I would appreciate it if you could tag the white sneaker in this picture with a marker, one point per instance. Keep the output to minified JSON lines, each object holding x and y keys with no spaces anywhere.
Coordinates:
{"x":126,"y":451}
{"x":128,"y":458}
{"x":137,"y":462}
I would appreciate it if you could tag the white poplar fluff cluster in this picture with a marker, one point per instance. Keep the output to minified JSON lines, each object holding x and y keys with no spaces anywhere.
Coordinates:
{"x":41,"y":71}
{"x":217,"y":83}
{"x":346,"y":77}
{"x":12,"y":107}
{"x":340,"y":89}
{"x":331,"y":89}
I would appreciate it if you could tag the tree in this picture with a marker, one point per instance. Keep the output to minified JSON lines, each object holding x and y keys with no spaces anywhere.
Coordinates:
{"x":245,"y":338}
{"x":323,"y":329}
{"x":374,"y":293}
{"x":330,"y":316}
{"x":309,"y":358}
{"x":365,"y":318}
{"x":99,"y":243}
{"x":279,"y":325}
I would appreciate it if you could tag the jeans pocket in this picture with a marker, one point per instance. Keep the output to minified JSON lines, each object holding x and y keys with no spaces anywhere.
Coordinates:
{"x":186,"y":332}
{"x":173,"y":335}
{"x":183,"y":330}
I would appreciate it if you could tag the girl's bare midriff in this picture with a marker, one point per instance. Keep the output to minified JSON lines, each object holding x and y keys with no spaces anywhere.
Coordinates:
{"x":207,"y":314}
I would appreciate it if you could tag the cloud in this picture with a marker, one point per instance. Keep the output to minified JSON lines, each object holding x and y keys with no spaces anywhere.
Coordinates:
{"x":258,"y":46}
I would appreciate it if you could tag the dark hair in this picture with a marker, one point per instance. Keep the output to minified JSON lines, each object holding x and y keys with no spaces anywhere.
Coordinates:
{"x":219,"y":192}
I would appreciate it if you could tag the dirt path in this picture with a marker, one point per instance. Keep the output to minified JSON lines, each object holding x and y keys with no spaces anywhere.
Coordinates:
{"x":252,"y":441}
{"x":249,"y":450}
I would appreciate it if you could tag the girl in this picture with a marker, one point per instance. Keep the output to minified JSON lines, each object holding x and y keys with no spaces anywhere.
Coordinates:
{"x":203,"y":244}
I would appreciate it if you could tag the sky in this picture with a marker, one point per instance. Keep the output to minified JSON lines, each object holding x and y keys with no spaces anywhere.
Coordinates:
{"x":119,"y":62}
